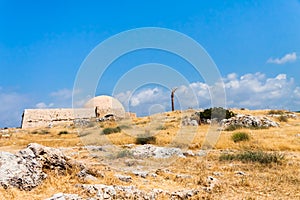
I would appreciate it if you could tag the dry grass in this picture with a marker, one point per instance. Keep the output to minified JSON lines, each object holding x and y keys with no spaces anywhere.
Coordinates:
{"x":272,"y":181}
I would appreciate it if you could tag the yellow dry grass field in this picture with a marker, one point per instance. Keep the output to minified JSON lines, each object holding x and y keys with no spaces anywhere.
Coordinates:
{"x":237,"y":179}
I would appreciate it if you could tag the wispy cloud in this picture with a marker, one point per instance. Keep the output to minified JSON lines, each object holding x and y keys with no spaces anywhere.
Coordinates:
{"x":254,"y":91}
{"x":44,"y":105}
{"x":290,"y":57}
{"x":12,"y":105}
{"x":62,"y":94}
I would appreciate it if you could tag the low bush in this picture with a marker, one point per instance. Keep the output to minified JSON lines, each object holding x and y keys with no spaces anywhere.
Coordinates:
{"x":124,"y":127}
{"x":233,"y":127}
{"x":258,"y":127}
{"x":217,"y":113}
{"x":145,"y":139}
{"x":124,"y":153}
{"x":161,"y":127}
{"x":63,"y":133}
{"x":108,"y":131}
{"x":283,"y":118}
{"x":276,"y":112}
{"x":254,"y":156}
{"x":240,"y":136}
{"x":40,"y":132}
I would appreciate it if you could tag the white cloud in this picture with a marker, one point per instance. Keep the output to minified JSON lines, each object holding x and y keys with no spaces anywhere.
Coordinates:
{"x":14,"y":104}
{"x":63,"y":99}
{"x":258,"y":91}
{"x":62,"y":94}
{"x":297,"y":91}
{"x":12,"y":107}
{"x":44,"y":105}
{"x":290,"y":57}
{"x":124,"y":97}
{"x":254,"y":91}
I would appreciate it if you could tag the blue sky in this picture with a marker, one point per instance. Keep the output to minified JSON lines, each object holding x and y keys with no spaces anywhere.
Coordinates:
{"x":255,"y":45}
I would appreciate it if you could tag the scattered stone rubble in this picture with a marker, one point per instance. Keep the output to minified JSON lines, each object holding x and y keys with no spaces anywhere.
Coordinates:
{"x":24,"y":169}
{"x":248,"y":121}
{"x":63,"y":196}
{"x":212,"y":182}
{"x":288,"y":115}
{"x":189,"y":121}
{"x":101,"y":191}
{"x":240,"y":120}
{"x":81,"y":122}
{"x":4,"y":133}
{"x":146,"y":151}
{"x":124,"y":178}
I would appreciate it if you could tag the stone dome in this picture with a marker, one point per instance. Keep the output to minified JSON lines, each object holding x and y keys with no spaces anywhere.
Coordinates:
{"x":106,"y":105}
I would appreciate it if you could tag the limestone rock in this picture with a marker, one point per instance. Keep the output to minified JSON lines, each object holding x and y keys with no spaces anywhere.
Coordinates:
{"x":124,"y":178}
{"x":146,"y":151}
{"x":62,"y":196}
{"x":16,"y":171}
{"x":248,"y":121}
{"x":187,"y":121}
{"x":100,"y":191}
{"x":211,"y":182}
{"x":142,"y":174}
{"x":24,"y":169}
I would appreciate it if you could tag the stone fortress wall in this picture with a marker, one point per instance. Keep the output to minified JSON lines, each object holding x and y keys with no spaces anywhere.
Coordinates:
{"x":97,"y":107}
{"x":49,"y":117}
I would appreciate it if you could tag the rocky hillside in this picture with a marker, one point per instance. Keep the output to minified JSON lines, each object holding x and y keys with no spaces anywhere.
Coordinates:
{"x":156,"y":157}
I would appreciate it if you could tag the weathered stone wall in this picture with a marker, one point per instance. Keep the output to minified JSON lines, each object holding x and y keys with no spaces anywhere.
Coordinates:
{"x":102,"y":112}
{"x":48,"y":117}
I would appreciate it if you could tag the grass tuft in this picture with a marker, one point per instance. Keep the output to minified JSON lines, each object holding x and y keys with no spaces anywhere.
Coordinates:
{"x":40,"y":132}
{"x":145,"y":139}
{"x":161,"y":127}
{"x":283,"y":118}
{"x":254,"y":156}
{"x":108,"y":131}
{"x":63,"y":133}
{"x":240,"y":136}
{"x":276,"y":112}
{"x":233,"y":127}
{"x":124,"y":153}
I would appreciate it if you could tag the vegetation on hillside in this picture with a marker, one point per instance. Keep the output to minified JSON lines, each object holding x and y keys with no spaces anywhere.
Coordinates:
{"x":217,"y":113}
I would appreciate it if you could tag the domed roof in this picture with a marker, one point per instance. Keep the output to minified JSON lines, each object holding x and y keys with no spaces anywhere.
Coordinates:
{"x":106,"y":105}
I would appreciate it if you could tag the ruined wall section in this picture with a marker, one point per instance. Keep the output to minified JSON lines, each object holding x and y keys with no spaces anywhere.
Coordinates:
{"x":48,"y":117}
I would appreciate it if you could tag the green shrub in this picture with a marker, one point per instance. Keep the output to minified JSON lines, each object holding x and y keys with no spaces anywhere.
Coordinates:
{"x":108,"y":131}
{"x":240,"y":136}
{"x":40,"y":132}
{"x":124,"y":127}
{"x":161,"y":127}
{"x":124,"y":153}
{"x":276,"y":112}
{"x":283,"y":118}
{"x":227,"y":157}
{"x":145,"y":139}
{"x":215,"y":113}
{"x":254,"y":156}
{"x":258,"y":127}
{"x":233,"y":127}
{"x":63,"y":133}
